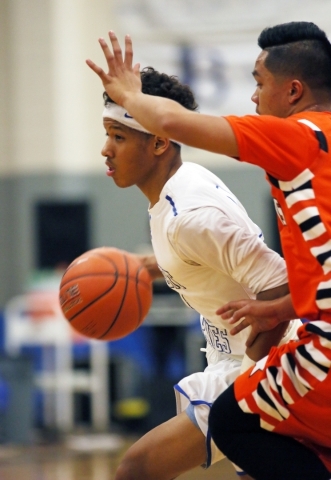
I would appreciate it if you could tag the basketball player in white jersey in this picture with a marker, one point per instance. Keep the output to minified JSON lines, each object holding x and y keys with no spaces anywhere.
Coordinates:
{"x":210,"y":252}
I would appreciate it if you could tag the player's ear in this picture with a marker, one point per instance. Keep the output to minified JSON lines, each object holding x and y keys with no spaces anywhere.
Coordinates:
{"x":295,"y":91}
{"x":161,"y":144}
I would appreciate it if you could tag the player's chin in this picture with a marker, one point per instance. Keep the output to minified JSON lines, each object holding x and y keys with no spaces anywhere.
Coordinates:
{"x":122,"y":183}
{"x":263,"y":111}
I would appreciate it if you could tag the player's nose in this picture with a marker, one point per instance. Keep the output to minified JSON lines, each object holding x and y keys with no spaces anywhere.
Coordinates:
{"x":255,"y":98}
{"x":106,"y":150}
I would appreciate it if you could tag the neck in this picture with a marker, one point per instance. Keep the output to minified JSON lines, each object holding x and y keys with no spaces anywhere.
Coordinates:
{"x":153,"y":187}
{"x":319,"y":107}
{"x":311,"y":107}
{"x":311,"y":102}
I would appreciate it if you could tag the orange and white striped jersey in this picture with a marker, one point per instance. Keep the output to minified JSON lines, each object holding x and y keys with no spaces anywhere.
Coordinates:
{"x":290,"y":389}
{"x":296,"y":155}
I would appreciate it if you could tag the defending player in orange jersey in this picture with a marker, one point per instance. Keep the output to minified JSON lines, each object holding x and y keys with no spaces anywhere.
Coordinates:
{"x":278,"y":415}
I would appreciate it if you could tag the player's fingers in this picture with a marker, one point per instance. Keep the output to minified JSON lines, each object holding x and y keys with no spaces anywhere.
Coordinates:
{"x":136,"y":70}
{"x":228,"y":314}
{"x":228,"y":307}
{"x":96,"y":69}
{"x":239,"y":314}
{"x":116,"y":48}
{"x":128,"y":51}
{"x":109,"y":56}
{"x":240,"y":327}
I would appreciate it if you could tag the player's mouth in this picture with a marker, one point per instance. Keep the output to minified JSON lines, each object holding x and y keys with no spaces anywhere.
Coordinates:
{"x":110,"y":171}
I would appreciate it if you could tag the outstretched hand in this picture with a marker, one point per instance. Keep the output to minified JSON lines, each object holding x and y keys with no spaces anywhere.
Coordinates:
{"x":260,"y":315}
{"x":122,"y":77}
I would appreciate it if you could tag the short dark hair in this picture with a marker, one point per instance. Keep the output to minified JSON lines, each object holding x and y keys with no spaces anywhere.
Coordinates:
{"x":298,"y":49}
{"x":163,"y":85}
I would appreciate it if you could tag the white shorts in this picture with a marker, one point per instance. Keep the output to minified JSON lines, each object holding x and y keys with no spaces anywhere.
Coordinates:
{"x":201,"y":389}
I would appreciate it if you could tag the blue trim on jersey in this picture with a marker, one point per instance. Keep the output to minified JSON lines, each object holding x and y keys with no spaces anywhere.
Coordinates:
{"x":231,"y":199}
{"x":172,"y":203}
{"x":226,"y":191}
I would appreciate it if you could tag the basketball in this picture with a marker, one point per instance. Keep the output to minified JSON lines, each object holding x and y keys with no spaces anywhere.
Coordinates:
{"x":105,"y":293}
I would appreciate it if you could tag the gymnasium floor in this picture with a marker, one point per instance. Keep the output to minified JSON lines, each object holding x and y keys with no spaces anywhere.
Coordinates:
{"x":58,"y":462}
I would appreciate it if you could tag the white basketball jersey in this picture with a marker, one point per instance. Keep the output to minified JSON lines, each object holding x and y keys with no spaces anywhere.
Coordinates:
{"x":210,"y":251}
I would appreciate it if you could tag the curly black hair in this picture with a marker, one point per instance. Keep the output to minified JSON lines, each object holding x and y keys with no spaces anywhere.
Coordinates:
{"x":298,"y":49}
{"x":163,"y":85}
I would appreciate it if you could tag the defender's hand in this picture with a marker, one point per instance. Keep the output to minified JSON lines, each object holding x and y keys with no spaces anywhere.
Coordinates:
{"x":260,"y":315}
{"x":121,"y":77}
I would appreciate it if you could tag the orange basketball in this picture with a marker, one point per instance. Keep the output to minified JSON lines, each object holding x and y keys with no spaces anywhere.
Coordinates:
{"x":105,"y":293}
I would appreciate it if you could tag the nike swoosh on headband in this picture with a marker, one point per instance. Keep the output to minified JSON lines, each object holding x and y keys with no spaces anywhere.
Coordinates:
{"x":118,"y":113}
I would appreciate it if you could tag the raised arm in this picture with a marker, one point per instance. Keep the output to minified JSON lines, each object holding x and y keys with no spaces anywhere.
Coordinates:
{"x":158,"y":115}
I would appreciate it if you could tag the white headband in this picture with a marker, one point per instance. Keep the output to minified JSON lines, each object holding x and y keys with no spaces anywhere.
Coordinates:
{"x":119,"y":114}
